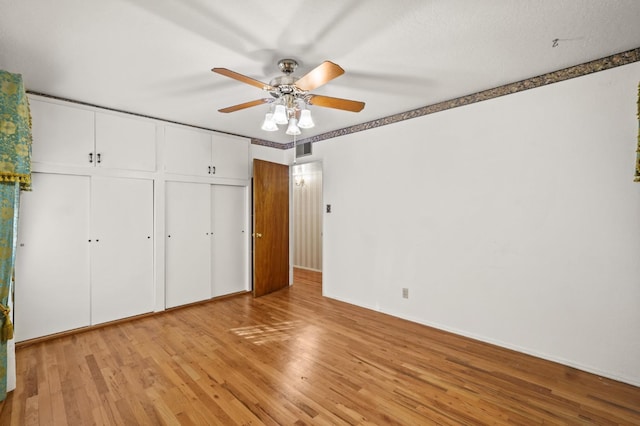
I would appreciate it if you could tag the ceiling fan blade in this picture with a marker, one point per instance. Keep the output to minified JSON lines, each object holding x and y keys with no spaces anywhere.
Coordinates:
{"x":337,"y":103}
{"x":320,"y":75}
{"x":246,"y":105}
{"x":242,"y":78}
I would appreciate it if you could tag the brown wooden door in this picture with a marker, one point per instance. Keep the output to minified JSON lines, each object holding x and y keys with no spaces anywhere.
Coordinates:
{"x":270,"y":227}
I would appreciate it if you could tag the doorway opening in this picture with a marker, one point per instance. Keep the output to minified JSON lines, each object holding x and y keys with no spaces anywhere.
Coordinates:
{"x":307,"y":211}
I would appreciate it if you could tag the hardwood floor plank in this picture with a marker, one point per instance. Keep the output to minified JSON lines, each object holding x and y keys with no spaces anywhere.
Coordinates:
{"x":295,"y":357}
{"x":32,"y":414}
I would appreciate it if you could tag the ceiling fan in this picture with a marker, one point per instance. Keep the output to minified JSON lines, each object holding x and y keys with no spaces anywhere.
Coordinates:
{"x":291,"y":94}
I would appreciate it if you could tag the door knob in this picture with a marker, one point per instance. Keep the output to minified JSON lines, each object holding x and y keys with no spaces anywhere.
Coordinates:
{"x":259,"y":235}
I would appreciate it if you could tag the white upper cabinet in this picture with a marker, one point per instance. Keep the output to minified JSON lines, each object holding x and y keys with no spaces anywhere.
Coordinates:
{"x":125,"y":143}
{"x":187,"y":151}
{"x":71,"y":136}
{"x":201,"y":153}
{"x":230,"y":156}
{"x":62,"y":135}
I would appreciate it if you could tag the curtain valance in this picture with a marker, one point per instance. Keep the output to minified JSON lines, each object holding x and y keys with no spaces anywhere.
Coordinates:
{"x":15,"y":131}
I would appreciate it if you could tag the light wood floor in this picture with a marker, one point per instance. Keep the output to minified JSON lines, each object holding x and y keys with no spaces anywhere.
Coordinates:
{"x":294,"y":357}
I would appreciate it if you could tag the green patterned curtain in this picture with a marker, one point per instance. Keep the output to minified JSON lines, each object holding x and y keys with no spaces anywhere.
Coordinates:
{"x":637,"y":179}
{"x":15,"y":174}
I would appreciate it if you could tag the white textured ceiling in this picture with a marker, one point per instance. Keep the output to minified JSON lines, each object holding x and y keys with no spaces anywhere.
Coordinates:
{"x":153,"y":57}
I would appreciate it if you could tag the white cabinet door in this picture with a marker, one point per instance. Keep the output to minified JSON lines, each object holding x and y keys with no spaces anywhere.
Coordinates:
{"x":187,"y":152}
{"x":121,"y":248}
{"x":52,"y":260}
{"x":62,"y":135}
{"x":229,"y":243}
{"x":230,"y":156}
{"x":188,"y":243}
{"x":125,"y":142}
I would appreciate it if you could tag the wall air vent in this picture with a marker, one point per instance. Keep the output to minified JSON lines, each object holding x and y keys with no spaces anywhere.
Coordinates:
{"x":303,"y":149}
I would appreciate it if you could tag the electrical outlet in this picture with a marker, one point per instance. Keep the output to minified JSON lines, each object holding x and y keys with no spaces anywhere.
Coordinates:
{"x":328,"y":208}
{"x":405,"y":293}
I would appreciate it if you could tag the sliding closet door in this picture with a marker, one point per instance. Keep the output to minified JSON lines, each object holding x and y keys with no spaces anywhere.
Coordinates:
{"x":121,"y":248}
{"x":188,"y":243}
{"x":52,"y":260}
{"x":229,"y":243}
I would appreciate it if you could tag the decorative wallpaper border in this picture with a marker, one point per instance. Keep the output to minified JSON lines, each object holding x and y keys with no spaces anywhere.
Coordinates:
{"x":597,"y":65}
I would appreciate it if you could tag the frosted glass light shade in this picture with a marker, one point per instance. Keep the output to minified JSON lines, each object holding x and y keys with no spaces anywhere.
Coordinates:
{"x":280,"y":115}
{"x":306,"y":122}
{"x":293,"y":127}
{"x":269,"y":124}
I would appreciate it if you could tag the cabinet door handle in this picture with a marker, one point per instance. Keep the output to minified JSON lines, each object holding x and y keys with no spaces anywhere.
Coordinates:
{"x":213,"y":170}
{"x":91,"y":157}
{"x":98,"y":157}
{"x":209,"y":169}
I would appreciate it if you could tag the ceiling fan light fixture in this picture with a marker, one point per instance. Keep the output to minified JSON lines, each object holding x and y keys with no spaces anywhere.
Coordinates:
{"x":280,"y":115}
{"x":269,"y":124}
{"x":293,"y":128}
{"x":291,"y":97}
{"x":306,"y":122}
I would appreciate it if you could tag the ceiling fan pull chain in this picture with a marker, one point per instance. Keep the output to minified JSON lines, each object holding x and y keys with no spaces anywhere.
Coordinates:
{"x":295,"y":149}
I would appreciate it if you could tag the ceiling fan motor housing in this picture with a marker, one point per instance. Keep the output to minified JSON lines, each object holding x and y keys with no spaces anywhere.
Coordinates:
{"x":285,"y":85}
{"x":287,"y":66}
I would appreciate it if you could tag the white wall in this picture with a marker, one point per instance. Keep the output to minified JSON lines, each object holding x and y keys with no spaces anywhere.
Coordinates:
{"x":259,"y":152}
{"x":514,"y":221}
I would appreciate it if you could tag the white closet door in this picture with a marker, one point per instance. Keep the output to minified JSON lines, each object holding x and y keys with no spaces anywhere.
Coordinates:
{"x":52,"y":260}
{"x":121,"y":248}
{"x":229,"y":244}
{"x":188,"y":243}
{"x":61,"y":135}
{"x":125,"y":142}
